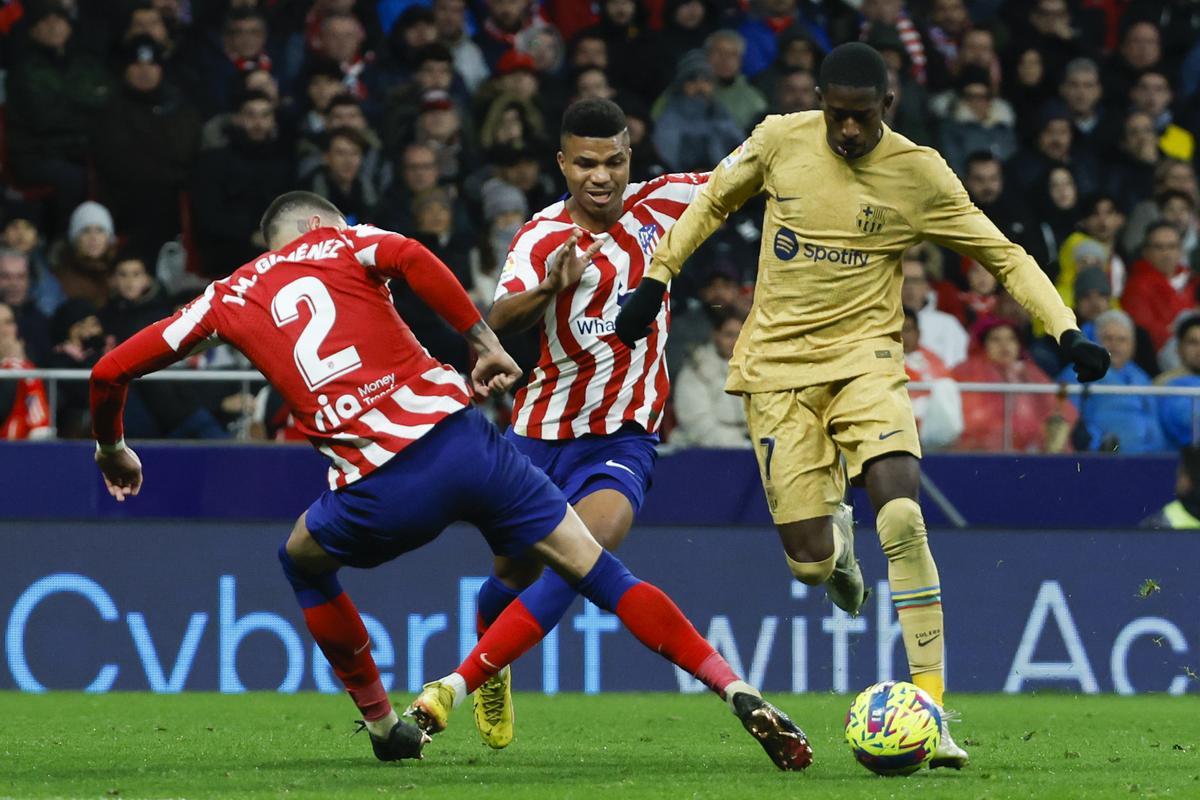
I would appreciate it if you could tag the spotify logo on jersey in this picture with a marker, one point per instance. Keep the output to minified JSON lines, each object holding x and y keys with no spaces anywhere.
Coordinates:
{"x":786,"y":245}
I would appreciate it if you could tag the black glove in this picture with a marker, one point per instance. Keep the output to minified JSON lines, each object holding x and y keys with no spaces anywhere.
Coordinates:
{"x":638,"y":313}
{"x":1089,"y":359}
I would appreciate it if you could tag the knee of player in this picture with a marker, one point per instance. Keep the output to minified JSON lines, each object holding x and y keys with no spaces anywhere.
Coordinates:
{"x":811,"y":573}
{"x":516,"y":573}
{"x":901,"y":527}
{"x":290,"y":570}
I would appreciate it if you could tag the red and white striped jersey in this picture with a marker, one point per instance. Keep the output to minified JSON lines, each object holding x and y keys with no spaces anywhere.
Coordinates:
{"x":29,"y":417}
{"x":586,"y":380}
{"x":316,"y":318}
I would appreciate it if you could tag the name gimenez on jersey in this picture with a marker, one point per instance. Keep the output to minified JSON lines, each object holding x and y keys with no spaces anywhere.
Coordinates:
{"x":318,"y":251}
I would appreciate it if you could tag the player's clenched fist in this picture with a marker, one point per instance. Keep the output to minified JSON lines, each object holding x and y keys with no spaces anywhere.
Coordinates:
{"x":494,"y":373}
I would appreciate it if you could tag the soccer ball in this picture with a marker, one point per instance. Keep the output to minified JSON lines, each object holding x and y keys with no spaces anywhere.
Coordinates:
{"x":893,"y":728}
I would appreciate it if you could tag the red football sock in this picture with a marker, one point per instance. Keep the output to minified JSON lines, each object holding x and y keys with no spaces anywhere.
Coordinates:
{"x":343,"y":639}
{"x":658,"y":623}
{"x":514,"y":633}
{"x":645,"y":610}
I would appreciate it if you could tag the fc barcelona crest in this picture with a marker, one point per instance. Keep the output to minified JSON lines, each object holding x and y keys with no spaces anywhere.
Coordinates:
{"x":871,"y":219}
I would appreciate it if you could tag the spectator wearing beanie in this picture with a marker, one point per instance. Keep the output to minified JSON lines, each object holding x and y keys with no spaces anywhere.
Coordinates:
{"x":504,"y":212}
{"x":85,"y":261}
{"x":1094,"y":296}
{"x":693,"y":131}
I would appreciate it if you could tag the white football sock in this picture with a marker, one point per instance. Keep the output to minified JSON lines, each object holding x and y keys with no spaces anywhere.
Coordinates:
{"x":381,"y":727}
{"x":460,"y":687}
{"x":739,"y":687}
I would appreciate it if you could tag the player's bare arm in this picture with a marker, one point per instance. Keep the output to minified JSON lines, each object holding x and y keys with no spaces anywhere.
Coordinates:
{"x":521,"y":311}
{"x":142,"y":353}
{"x":495,"y":371}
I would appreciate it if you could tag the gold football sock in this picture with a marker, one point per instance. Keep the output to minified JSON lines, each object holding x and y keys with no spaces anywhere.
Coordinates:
{"x":916,"y":591}
{"x":814,"y":573}
{"x":931,"y":682}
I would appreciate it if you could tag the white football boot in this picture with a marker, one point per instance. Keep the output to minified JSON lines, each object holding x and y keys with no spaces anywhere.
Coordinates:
{"x":948,"y":753}
{"x":845,"y":586}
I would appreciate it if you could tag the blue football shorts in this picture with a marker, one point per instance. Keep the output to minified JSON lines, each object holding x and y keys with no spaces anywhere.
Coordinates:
{"x":623,"y":461}
{"x":462,"y":470}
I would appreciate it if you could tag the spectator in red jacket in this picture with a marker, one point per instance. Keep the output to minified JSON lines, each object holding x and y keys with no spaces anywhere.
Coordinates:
{"x":1161,"y":286}
{"x":1028,"y":423}
{"x":24,"y":410}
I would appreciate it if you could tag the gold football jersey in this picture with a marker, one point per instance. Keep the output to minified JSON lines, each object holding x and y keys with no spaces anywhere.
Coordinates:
{"x":827,"y":303}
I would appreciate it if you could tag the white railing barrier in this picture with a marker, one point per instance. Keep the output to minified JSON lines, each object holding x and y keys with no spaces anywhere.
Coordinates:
{"x":51,"y":378}
{"x":248,"y":376}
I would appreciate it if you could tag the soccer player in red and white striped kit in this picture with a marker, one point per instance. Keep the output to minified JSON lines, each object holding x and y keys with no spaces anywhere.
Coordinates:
{"x":590,"y":414}
{"x":409,"y":455}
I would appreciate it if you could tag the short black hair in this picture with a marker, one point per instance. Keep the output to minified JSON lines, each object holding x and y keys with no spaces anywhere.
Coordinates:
{"x":854,"y":64}
{"x":982,"y":157}
{"x":242,"y":14}
{"x":250,"y":95}
{"x":343,"y":99}
{"x":349,"y":134}
{"x":1167,"y":195}
{"x":595,"y":118}
{"x":1155,"y":227}
{"x":1186,"y":324}
{"x":435,"y":51}
{"x":292,"y":201}
{"x":723,"y":314}
{"x":1089,"y":204}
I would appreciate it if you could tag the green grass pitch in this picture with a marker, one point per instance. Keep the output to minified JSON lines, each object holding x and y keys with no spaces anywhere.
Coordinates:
{"x":571,"y":746}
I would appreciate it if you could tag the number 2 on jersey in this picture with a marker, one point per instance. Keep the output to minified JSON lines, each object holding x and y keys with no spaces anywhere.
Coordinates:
{"x":317,"y":370}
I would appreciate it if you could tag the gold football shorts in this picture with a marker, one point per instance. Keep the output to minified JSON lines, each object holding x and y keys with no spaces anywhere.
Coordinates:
{"x":798,"y":435}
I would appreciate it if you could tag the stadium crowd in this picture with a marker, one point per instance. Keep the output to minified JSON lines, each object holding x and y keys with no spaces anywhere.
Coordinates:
{"x":140,"y":142}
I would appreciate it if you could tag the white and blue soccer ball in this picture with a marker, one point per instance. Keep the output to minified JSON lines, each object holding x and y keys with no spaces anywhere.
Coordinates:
{"x":893,"y":728}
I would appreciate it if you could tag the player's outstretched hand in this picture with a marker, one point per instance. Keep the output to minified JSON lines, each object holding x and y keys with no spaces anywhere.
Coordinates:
{"x":1090,"y":360}
{"x":568,"y":266}
{"x":122,"y":471}
{"x":636,"y":317}
{"x":495,"y":372}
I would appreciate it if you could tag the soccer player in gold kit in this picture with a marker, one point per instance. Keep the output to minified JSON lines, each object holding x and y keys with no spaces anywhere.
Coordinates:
{"x":819,"y":362}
